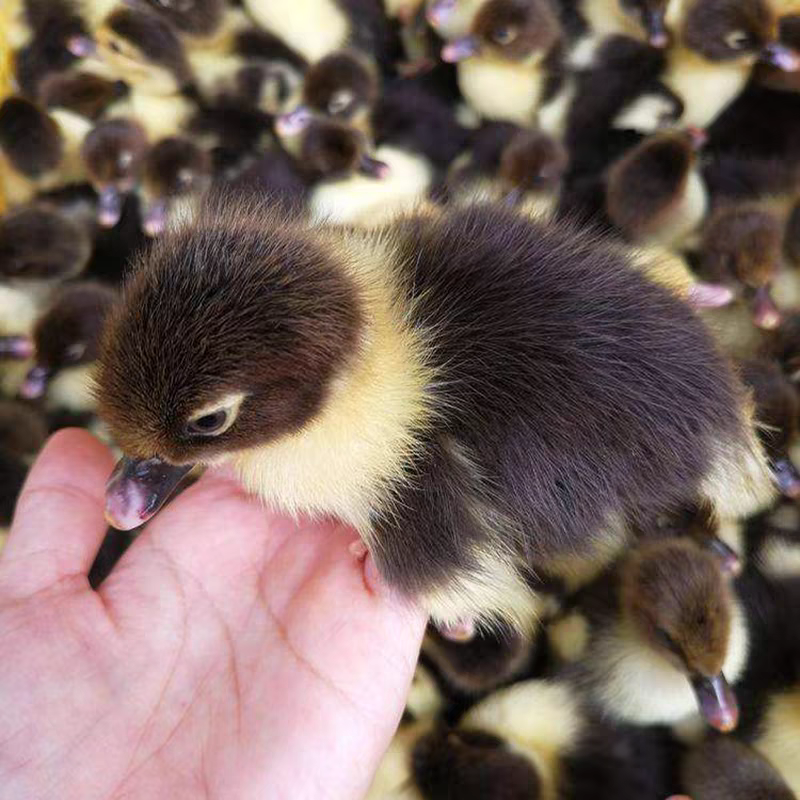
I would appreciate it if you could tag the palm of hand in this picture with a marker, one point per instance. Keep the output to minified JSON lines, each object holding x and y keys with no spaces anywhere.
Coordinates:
{"x":230,"y":654}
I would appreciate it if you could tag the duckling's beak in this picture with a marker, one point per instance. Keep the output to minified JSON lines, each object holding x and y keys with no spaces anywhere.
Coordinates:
{"x":154,"y":219}
{"x":374,"y":168}
{"x":35,"y":384}
{"x":460,"y":49}
{"x":137,"y":489}
{"x":657,"y":34}
{"x":780,"y":56}
{"x":81,"y":46}
{"x":16,"y":347}
{"x":717,"y":702}
{"x":440,"y":11}
{"x":709,"y":295}
{"x":109,"y":208}
{"x":293,"y":122}
{"x":787,"y":477}
{"x":728,"y":558}
{"x":765,"y":313}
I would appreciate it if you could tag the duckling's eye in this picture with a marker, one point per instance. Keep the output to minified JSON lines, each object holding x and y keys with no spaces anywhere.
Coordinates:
{"x":737,"y":40}
{"x":339,"y":101}
{"x":667,"y":642}
{"x":114,"y":47}
{"x":75,"y":352}
{"x":209,"y":424}
{"x":504,"y":35}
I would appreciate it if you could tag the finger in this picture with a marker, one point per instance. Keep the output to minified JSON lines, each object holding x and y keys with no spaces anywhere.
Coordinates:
{"x":58,"y":524}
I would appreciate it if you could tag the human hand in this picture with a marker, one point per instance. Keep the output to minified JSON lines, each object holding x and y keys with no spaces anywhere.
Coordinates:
{"x":230,"y":654}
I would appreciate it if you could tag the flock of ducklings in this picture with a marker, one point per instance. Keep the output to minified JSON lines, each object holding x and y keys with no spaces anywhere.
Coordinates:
{"x":672,"y":125}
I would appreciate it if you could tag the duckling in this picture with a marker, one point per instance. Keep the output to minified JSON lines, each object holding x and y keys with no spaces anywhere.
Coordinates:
{"x":508,"y":64}
{"x":114,"y":152}
{"x":421,"y":458}
{"x":316,"y":28}
{"x":198,"y":19}
{"x":513,"y":163}
{"x":661,"y":637}
{"x":773,"y":541}
{"x":637,"y":19}
{"x":741,"y":247}
{"x":66,"y":342}
{"x":174,"y":170}
{"x":778,"y":736}
{"x":38,"y":37}
{"x":344,"y":85}
{"x":655,"y":193}
{"x":83,"y":93}
{"x":718,"y":42}
{"x":38,"y":151}
{"x":777,"y":409}
{"x":40,"y":243}
{"x":725,"y":769}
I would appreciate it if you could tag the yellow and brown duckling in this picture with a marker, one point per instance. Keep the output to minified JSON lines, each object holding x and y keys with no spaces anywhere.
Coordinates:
{"x":83,"y":93}
{"x":659,"y":638}
{"x":506,"y":62}
{"x":175,"y":169}
{"x":534,"y":289}
{"x":114,"y":153}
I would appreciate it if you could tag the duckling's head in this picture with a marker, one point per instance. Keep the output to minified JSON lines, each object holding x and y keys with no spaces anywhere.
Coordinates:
{"x":67,"y":334}
{"x":29,"y":138}
{"x":737,"y":30}
{"x":38,"y":242}
{"x":342,"y":85}
{"x":175,"y":166}
{"x":675,"y":597}
{"x":650,"y":14}
{"x":650,"y":183}
{"x":113,"y":153}
{"x":777,"y":411}
{"x":742,"y":248}
{"x":23,"y":428}
{"x":229,"y":335}
{"x":194,"y":17}
{"x":472,"y":764}
{"x":81,"y":92}
{"x":513,"y":30}
{"x":143,"y":49}
{"x":533,"y":161}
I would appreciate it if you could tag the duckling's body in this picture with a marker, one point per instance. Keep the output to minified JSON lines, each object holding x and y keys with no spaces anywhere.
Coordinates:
{"x":405,"y":425}
{"x":778,"y":739}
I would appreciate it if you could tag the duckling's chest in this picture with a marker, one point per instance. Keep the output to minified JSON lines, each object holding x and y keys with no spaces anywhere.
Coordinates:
{"x":780,"y":742}
{"x":704,"y":88}
{"x":501,"y":90}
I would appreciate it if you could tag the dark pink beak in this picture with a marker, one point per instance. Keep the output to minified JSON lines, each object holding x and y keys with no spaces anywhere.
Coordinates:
{"x":780,"y":56}
{"x":16,"y":347}
{"x":710,"y":295}
{"x":440,"y":11}
{"x":787,"y":478}
{"x":766,"y":314}
{"x":136,"y":490}
{"x":374,"y":168}
{"x":460,"y":49}
{"x":717,"y":702}
{"x":35,"y":384}
{"x":155,"y":218}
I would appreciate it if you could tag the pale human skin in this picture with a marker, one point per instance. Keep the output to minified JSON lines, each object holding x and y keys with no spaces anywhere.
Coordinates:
{"x":232,"y":653}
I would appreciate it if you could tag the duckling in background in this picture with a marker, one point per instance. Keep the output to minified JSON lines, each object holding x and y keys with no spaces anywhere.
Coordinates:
{"x":199,"y":20}
{"x":725,"y":769}
{"x":38,"y":151}
{"x":316,"y":28}
{"x":114,"y":152}
{"x":642,"y":20}
{"x":452,"y":19}
{"x":175,"y":170}
{"x":658,"y":638}
{"x":448,"y":426}
{"x":38,"y":243}
{"x":83,"y":93}
{"x":39,"y":37}
{"x":718,"y":42}
{"x":778,"y":737}
{"x":508,"y":66}
{"x":655,"y":193}
{"x":773,"y":542}
{"x":741,"y":247}
{"x":777,"y":409}
{"x":511,"y":163}
{"x":66,"y":340}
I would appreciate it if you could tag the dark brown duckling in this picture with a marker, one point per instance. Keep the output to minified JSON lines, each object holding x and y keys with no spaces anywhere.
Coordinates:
{"x":23,"y":429}
{"x":555,"y":289}
{"x":777,"y":412}
{"x":655,"y":193}
{"x":83,"y":93}
{"x":114,"y":152}
{"x":40,"y":243}
{"x":67,"y":335}
{"x":196,"y":18}
{"x":174,"y":168}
